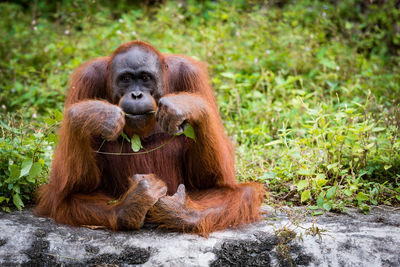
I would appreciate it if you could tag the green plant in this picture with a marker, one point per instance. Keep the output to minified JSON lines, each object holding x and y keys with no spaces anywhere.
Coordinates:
{"x":25,"y":156}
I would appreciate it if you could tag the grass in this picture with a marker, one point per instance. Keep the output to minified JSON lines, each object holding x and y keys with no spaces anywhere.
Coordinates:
{"x":308,"y":91}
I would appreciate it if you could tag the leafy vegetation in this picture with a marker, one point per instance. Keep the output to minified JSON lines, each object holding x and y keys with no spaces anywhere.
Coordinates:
{"x":307,"y":90}
{"x":25,"y":157}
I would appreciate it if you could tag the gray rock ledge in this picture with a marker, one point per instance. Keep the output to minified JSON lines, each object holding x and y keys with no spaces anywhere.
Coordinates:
{"x":285,"y":238}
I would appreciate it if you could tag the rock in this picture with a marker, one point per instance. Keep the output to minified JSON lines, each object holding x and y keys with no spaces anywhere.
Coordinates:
{"x":288,"y":237}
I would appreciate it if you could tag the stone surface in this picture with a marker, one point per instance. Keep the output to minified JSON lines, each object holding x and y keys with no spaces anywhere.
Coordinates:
{"x":284,"y":238}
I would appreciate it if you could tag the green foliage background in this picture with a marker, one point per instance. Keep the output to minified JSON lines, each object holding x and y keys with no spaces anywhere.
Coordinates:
{"x":308,"y":91}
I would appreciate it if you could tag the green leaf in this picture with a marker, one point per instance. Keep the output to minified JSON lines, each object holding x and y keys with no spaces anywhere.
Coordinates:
{"x":362,"y":197}
{"x":229,"y":75}
{"x":327,"y":206}
{"x":17,"y":189}
{"x":333,"y":165}
{"x":305,"y":172}
{"x":302,"y":184}
{"x":8,"y":128}
{"x":125,"y":137}
{"x":18,"y":202}
{"x":25,"y":167}
{"x":136,"y":144}
{"x":275,"y":142}
{"x":6,"y":209}
{"x":365,"y":208}
{"x":112,"y":202}
{"x":52,"y":138}
{"x":58,"y":115}
{"x":321,"y":182}
{"x":320,"y":201}
{"x":369,"y":146}
{"x":313,"y":207}
{"x":267,"y":176}
{"x":189,"y":132}
{"x":378,"y":129}
{"x":340,"y":138}
{"x":50,"y":121}
{"x":35,"y":170}
{"x":387,"y":167}
{"x":2,"y":199}
{"x":305,"y":195}
{"x":317,"y":213}
{"x":331,"y":192}
{"x":348,"y":192}
{"x":14,"y":171}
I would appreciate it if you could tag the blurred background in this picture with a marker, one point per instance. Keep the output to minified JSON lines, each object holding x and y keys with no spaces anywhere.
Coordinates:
{"x":308,"y":90}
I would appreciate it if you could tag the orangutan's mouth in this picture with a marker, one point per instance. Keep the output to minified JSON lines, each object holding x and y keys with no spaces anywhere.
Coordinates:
{"x":141,"y":115}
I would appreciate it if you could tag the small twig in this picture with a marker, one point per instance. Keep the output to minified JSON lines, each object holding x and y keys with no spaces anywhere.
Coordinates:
{"x":136,"y":153}
{"x":104,"y":140}
{"x":122,"y":145}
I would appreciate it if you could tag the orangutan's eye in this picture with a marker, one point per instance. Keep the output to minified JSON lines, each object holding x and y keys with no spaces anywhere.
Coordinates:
{"x":145,"y":77}
{"x":125,"y":78}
